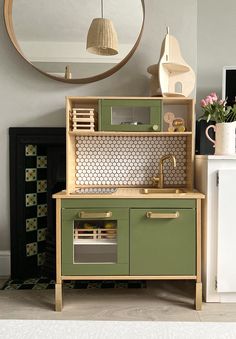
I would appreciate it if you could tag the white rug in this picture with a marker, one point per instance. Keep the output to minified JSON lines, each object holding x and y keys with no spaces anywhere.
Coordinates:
{"x":71,"y":329}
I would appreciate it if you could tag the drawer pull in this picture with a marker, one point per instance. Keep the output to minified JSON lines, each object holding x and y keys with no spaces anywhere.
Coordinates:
{"x":152,"y":215}
{"x":86,"y":215}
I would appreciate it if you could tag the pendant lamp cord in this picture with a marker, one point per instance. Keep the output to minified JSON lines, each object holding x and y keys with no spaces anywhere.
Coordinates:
{"x":102,"y":8}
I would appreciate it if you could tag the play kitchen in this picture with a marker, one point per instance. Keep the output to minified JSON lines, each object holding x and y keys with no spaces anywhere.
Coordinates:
{"x":129,"y":210}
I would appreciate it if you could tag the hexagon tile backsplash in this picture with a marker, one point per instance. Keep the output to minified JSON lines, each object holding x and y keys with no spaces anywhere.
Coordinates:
{"x":128,"y":161}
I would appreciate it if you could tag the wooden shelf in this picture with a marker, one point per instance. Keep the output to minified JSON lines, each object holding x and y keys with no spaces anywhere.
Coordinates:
{"x":148,"y":134}
{"x":176,"y":68}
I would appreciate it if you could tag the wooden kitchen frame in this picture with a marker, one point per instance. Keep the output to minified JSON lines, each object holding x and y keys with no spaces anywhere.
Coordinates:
{"x":186,"y":205}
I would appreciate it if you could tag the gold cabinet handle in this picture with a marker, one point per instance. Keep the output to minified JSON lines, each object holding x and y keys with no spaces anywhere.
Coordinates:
{"x":152,"y":215}
{"x":86,"y":215}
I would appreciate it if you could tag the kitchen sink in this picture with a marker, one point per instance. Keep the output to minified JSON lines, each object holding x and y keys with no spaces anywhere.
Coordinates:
{"x":162,"y":190}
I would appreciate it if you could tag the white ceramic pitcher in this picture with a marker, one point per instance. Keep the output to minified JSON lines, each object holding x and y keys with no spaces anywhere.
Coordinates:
{"x":224,"y":142}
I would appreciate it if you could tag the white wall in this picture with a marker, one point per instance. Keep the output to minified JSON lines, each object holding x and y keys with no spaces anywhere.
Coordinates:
{"x":31,"y":99}
{"x":216,"y":44}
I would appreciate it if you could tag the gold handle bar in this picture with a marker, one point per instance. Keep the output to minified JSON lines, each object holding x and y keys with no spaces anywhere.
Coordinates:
{"x":85,"y":215}
{"x":152,"y":215}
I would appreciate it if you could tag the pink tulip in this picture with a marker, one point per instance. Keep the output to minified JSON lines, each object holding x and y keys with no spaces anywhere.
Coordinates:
{"x":214,"y":98}
{"x":203,"y":103}
{"x":214,"y":95}
{"x":209,"y":100}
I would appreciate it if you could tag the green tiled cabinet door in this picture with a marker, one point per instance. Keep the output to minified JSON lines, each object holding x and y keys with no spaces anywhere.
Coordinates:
{"x":128,"y":110}
{"x":162,"y":246}
{"x":95,"y":241}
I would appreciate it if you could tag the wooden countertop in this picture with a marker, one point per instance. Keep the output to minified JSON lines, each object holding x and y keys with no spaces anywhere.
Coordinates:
{"x":131,"y":193}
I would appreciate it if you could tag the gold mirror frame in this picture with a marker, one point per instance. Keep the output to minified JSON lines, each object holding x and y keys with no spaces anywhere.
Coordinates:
{"x":9,"y":27}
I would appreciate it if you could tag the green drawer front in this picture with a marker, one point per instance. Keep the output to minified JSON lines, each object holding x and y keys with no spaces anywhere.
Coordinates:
{"x":105,"y":114}
{"x":121,"y":267}
{"x":162,"y":246}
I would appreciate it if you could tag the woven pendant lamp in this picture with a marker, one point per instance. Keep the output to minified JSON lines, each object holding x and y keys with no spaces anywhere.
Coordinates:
{"x":102,"y":37}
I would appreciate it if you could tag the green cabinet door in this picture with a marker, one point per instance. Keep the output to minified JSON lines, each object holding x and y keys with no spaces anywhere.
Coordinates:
{"x":162,"y":242}
{"x":140,"y":115}
{"x":95,"y":241}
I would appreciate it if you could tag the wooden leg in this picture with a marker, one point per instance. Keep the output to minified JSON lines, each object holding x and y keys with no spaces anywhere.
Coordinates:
{"x":198,"y":297}
{"x":58,"y":297}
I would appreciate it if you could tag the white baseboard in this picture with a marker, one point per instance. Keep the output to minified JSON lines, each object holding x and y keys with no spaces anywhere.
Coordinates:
{"x":5,"y":263}
{"x":227,"y":297}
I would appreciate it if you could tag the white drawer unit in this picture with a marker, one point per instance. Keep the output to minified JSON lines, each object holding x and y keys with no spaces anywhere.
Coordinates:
{"x":216,"y":178}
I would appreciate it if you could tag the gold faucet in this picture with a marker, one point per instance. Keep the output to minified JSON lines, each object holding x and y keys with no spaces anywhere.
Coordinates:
{"x":159,"y":181}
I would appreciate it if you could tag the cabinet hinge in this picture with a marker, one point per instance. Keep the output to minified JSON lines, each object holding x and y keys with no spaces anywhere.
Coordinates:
{"x":215,"y":283}
{"x":217,"y":179}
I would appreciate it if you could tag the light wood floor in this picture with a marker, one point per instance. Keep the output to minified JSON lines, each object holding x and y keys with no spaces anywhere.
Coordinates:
{"x":160,"y":301}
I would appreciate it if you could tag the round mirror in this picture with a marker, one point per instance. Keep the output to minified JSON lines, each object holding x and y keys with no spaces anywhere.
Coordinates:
{"x":52,"y":35}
